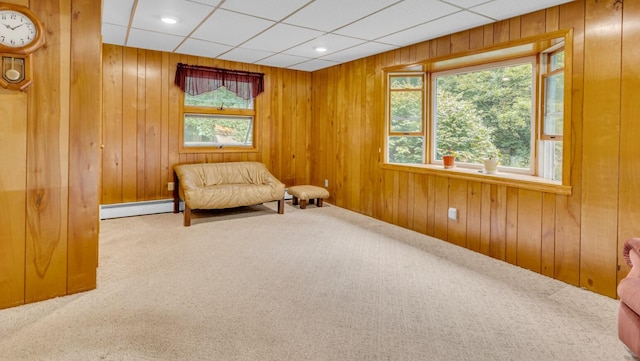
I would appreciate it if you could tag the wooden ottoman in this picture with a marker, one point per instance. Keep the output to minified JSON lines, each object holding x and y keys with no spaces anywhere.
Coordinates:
{"x":306,"y":193}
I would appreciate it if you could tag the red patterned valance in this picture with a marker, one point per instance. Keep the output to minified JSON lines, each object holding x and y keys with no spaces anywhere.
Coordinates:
{"x":195,"y":79}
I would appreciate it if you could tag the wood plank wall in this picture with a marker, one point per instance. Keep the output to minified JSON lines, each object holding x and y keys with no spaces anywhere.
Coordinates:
{"x":50,"y":135}
{"x":141,"y":120}
{"x":576,"y":239}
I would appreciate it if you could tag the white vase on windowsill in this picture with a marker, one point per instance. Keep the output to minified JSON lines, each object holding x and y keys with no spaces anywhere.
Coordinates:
{"x":491,"y":165}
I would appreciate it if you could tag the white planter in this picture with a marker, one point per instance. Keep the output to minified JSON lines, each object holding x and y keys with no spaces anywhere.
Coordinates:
{"x":491,"y":166}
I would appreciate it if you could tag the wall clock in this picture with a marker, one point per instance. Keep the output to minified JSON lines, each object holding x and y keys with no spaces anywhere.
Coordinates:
{"x":21,"y":33}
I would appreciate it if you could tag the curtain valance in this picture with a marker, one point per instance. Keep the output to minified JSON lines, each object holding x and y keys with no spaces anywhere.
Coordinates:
{"x":196,"y":79}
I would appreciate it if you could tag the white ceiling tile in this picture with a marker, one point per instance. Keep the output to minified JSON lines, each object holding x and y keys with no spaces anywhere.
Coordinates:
{"x":313,"y":65}
{"x":113,"y":34}
{"x":467,"y":3}
{"x":245,"y":55}
{"x":272,"y":9}
{"x":188,"y":14}
{"x":202,"y":48}
{"x":212,"y":3}
{"x":359,"y":51}
{"x":117,"y":11}
{"x":222,"y":27}
{"x":332,"y":42}
{"x":396,"y":18}
{"x":282,"y":60}
{"x":155,"y":41}
{"x":436,"y":28}
{"x":504,"y":9}
{"x":281,"y":37}
{"x":328,"y":15}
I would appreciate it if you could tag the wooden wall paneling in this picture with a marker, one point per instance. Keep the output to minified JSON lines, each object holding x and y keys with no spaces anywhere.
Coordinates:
{"x":501,"y":31}
{"x":443,"y":45}
{"x":568,"y":208}
{"x":388,"y":192}
{"x":129,"y":124}
{"x":476,"y":38}
{"x":431,"y":205}
{"x":422,"y":51}
{"x":401,"y":198}
{"x":474,"y":215}
{"x":288,"y":128}
{"x":602,"y":49}
{"x":84,"y":153}
{"x":166,"y":83}
{"x":420,"y":200}
{"x":173,"y":141}
{"x":141,"y":124}
{"x":629,"y":202}
{"x":48,"y":159}
{"x":498,"y":221}
{"x":533,"y":23}
{"x":460,"y":41}
{"x":441,"y":207}
{"x":515,"y":28}
{"x":411,"y":194}
{"x":487,"y":223}
{"x":488,"y":37}
{"x":332,"y":135}
{"x":457,"y":230}
{"x":13,"y":142}
{"x":511,"y":232}
{"x":112,"y":126}
{"x":277,"y":94}
{"x":551,"y":22}
{"x":369,"y":171}
{"x":547,"y":254}
{"x":153,"y":125}
{"x":318,"y":141}
{"x":355,"y":128}
{"x":529,"y":232}
{"x":264,"y":129}
{"x":302,"y":136}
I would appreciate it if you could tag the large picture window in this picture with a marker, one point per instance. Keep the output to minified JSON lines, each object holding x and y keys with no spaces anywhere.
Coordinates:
{"x":486,"y":111}
{"x":507,"y":103}
{"x":218,"y":109}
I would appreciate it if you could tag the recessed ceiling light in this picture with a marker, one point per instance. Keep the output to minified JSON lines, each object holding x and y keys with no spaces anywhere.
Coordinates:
{"x":169,"y":20}
{"x":320,"y":49}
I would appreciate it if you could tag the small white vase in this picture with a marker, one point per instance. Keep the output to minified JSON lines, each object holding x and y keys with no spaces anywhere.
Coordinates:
{"x":491,"y":166}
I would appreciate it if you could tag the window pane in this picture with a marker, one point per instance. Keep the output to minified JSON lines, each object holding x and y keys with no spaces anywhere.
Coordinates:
{"x":219,"y":98}
{"x":485,"y":113}
{"x":406,"y":150}
{"x":556,"y":61}
{"x":406,"y":111}
{"x":406,"y":82}
{"x":551,"y":160}
{"x":202,"y":130}
{"x":554,"y":104}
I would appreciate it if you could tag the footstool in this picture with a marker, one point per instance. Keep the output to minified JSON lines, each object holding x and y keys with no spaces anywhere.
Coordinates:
{"x":306,"y":193}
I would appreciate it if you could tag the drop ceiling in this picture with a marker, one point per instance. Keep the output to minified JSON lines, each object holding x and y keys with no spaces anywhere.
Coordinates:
{"x":286,"y":33}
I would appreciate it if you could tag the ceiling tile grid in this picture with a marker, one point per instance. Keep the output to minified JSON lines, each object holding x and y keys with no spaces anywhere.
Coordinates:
{"x":286,"y":33}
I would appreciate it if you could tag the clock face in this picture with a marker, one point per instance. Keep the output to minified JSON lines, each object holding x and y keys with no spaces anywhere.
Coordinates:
{"x":16,"y":29}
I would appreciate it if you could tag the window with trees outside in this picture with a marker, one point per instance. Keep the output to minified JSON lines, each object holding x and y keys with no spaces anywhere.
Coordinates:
{"x":484,"y":110}
{"x":218,"y":119}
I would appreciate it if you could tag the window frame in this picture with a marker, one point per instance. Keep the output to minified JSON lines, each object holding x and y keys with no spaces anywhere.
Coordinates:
{"x":534,"y":45}
{"x":479,"y":67}
{"x":424,"y":131}
{"x":222,"y":112}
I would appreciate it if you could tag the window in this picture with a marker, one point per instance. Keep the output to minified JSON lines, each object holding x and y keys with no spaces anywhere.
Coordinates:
{"x":217,"y":119}
{"x":506,"y":103}
{"x":218,"y":108}
{"x":406,"y":130}
{"x":553,"y":113}
{"x":486,"y":111}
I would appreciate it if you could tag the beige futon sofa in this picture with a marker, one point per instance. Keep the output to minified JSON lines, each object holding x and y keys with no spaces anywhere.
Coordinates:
{"x":224,"y":185}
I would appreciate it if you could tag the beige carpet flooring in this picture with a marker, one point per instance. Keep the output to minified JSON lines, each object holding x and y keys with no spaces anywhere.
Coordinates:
{"x":313,"y":284}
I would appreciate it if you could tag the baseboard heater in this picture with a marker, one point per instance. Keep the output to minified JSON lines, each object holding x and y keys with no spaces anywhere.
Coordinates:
{"x":137,"y":208}
{"x":130,"y":209}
